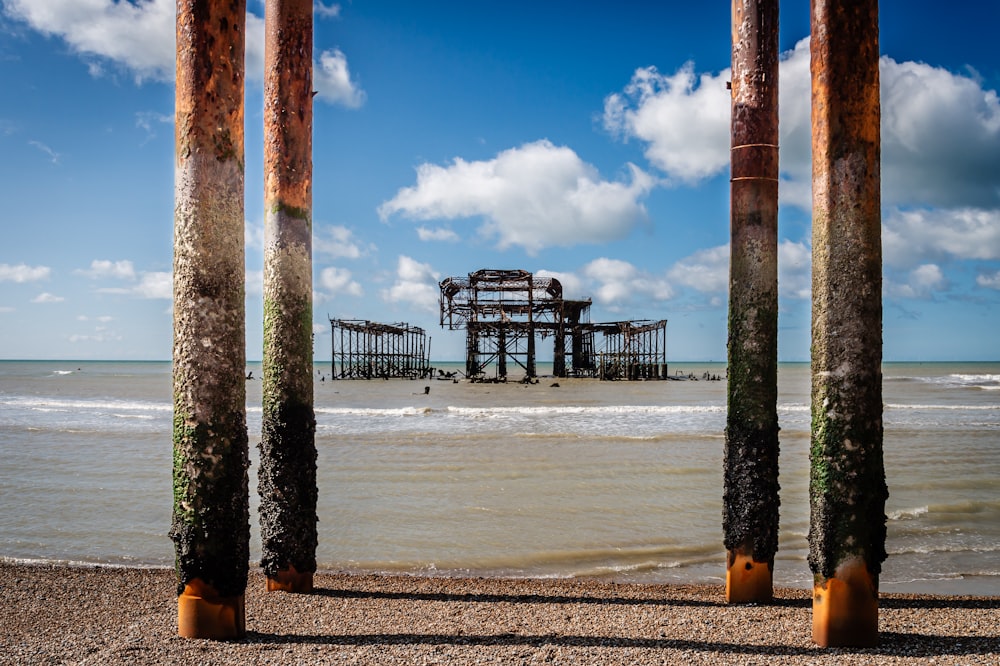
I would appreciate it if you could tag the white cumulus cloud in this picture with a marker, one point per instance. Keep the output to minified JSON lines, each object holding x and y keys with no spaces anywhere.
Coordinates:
{"x":139,"y":36}
{"x":416,"y":285}
{"x":916,"y":236}
{"x":574,"y":287}
{"x":339,"y":282}
{"x":618,"y":284}
{"x":150,"y":285}
{"x":706,"y":271}
{"x":990,"y":281}
{"x":157,"y":284}
{"x":46,"y":297}
{"x":613,"y":284}
{"x":105,"y":268}
{"x":683,"y":118}
{"x":332,"y":80}
{"x":920,"y":283}
{"x":534,"y":196}
{"x":326,"y":11}
{"x":337,"y":242}
{"x":940,"y":130}
{"x":439,"y":234}
{"x":23,"y":273}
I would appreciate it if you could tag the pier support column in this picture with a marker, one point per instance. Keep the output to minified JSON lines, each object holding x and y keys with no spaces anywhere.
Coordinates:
{"x":559,"y":354}
{"x":847,"y":487}
{"x":211,"y":524}
{"x":287,"y":475}
{"x":751,"y":452}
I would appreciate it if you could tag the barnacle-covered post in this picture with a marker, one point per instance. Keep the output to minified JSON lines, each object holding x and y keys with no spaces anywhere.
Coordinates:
{"x":847,"y":479}
{"x":211,"y":523}
{"x":287,"y":474}
{"x":750,"y":519}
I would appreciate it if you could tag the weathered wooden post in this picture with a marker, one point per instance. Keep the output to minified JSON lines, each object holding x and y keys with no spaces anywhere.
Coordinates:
{"x":751,"y":500}
{"x":847,"y":480}
{"x":211,"y":522}
{"x":287,"y":475}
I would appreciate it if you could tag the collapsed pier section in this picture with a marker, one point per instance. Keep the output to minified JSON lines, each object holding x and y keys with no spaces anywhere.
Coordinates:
{"x":363,"y":349}
{"x":503,"y":311}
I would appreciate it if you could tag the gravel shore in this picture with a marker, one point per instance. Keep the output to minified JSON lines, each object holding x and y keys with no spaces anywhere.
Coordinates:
{"x":105,"y":616}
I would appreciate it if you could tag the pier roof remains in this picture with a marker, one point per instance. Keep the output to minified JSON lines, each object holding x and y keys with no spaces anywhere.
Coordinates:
{"x":503,"y":311}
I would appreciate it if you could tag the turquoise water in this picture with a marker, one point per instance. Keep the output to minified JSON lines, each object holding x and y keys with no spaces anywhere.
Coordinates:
{"x":619,"y":480}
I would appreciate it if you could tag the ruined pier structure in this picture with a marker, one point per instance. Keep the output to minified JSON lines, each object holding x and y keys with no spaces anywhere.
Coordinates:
{"x":504,"y":311}
{"x":362,"y":349}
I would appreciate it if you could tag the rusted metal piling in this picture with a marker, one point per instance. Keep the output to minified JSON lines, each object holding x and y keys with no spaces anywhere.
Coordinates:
{"x":501,"y":310}
{"x":633,"y":350}
{"x":362,"y":349}
{"x":750,"y":518}
{"x":211,"y":525}
{"x":847,"y":479}
{"x":287,"y":474}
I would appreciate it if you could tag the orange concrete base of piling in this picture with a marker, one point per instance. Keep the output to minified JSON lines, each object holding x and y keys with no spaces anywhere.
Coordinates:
{"x":290,"y":580}
{"x":748,"y":581}
{"x":203,"y":613}
{"x":845,"y":608}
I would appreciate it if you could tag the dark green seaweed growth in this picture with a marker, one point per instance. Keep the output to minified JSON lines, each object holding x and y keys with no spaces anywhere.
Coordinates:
{"x":751,"y":498}
{"x":211,"y":517}
{"x":847,"y":486}
{"x":287,"y":474}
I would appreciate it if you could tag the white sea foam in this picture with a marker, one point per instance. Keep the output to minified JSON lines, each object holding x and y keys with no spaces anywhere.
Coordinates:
{"x":375,"y":411}
{"x":948,"y":408}
{"x":936,"y":548}
{"x":597,"y":410}
{"x":908,"y":514}
{"x":960,"y":380}
{"x":42,"y":404}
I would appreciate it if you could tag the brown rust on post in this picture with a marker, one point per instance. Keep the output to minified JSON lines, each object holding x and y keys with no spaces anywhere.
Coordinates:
{"x":290,"y":580}
{"x":287,"y":475}
{"x":847,"y":477}
{"x":751,"y":501}
{"x":203,"y":613}
{"x":210,"y":524}
{"x":288,"y":109}
{"x":845,"y":607}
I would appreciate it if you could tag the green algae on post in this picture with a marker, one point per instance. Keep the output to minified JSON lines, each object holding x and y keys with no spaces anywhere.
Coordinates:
{"x":287,"y":475}
{"x":847,"y":490}
{"x":210,"y":525}
{"x":750,"y":495}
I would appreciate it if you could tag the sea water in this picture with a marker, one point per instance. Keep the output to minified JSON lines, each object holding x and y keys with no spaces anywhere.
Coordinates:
{"x":560,"y":478}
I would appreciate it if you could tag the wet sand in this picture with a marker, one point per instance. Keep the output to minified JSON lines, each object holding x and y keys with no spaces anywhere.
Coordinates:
{"x":105,"y":616}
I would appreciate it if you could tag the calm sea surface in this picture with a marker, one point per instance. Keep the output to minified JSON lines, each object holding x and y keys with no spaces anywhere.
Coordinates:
{"x":619,"y":480}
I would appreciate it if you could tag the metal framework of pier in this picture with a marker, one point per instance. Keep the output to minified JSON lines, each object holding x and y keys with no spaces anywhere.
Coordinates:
{"x":504,"y":311}
{"x":364,"y":349}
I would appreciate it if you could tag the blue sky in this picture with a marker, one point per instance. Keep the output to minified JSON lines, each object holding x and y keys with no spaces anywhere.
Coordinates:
{"x":589,"y":141}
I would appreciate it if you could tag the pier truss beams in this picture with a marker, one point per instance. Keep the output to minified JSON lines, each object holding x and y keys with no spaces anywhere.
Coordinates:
{"x":504,"y":312}
{"x":210,"y":526}
{"x":751,"y":453}
{"x":287,"y":472}
{"x":847,"y":489}
{"x":364,"y":349}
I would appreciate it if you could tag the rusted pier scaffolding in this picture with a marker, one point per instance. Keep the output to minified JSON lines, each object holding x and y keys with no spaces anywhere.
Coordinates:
{"x":368,"y":350}
{"x":503,"y":311}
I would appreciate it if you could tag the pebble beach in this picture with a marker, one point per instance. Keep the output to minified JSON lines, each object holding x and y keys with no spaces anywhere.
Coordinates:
{"x":101,"y":615}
